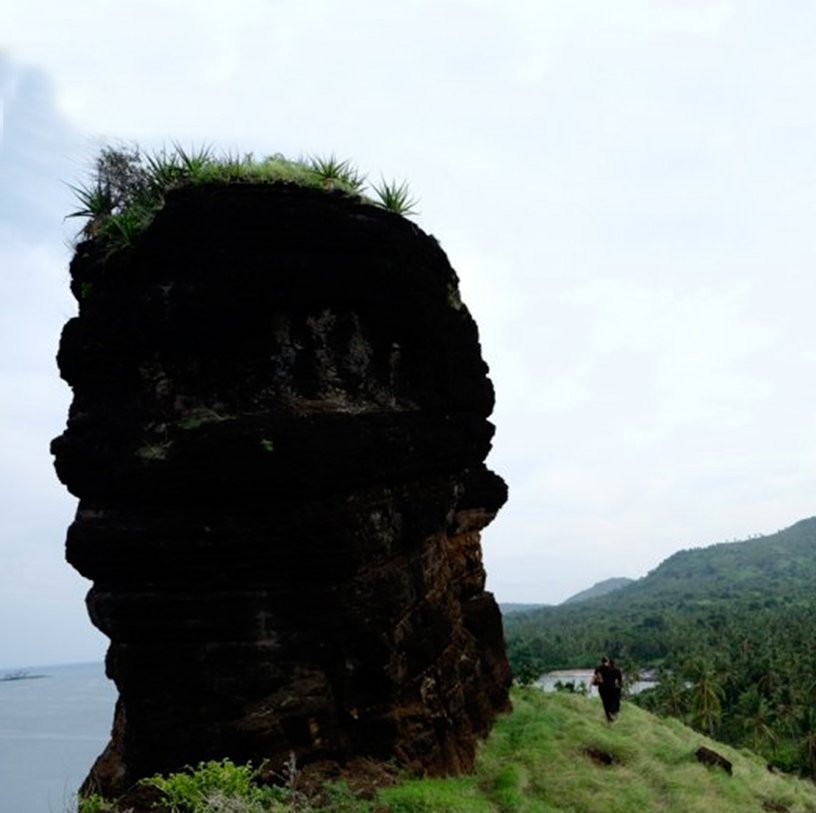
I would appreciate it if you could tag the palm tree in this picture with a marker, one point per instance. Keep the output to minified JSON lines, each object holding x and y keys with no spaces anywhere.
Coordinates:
{"x":706,"y":694}
{"x":806,"y":730}
{"x":757,"y":718}
{"x":671,"y":693}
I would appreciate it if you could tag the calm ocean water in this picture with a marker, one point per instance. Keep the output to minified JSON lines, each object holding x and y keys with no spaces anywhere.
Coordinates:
{"x":51,"y":731}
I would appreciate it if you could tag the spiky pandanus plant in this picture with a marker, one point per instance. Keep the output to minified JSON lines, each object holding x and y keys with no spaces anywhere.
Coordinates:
{"x":128,"y":186}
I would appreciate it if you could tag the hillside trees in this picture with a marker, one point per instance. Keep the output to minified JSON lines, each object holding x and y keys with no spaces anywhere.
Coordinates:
{"x":731,"y":631}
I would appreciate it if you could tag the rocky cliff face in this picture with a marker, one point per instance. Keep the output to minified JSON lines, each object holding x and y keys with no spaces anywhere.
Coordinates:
{"x":277,"y":439}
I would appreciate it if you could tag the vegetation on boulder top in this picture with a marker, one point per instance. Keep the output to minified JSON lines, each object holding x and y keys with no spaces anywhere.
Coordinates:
{"x":128,"y":186}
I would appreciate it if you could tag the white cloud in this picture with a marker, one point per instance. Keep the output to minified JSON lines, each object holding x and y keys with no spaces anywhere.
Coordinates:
{"x":627,"y":191}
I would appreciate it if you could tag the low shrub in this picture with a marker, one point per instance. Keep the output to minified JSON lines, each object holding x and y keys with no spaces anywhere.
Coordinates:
{"x":219,"y":787}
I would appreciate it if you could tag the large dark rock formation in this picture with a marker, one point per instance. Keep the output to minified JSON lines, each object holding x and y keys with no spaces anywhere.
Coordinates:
{"x":277,"y":437}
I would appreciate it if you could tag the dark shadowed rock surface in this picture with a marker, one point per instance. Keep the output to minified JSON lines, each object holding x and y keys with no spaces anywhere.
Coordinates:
{"x":277,"y":438}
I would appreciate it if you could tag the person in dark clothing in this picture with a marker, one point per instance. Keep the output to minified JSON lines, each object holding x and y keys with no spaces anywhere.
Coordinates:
{"x":617,"y":686}
{"x":597,"y":676}
{"x":608,"y":679}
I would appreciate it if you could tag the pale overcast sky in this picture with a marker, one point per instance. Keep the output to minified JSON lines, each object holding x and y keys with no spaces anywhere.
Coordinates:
{"x":627,"y":190}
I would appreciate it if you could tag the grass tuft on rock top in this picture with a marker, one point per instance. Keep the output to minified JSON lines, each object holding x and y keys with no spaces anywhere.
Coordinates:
{"x":538,"y":760}
{"x":128,"y":186}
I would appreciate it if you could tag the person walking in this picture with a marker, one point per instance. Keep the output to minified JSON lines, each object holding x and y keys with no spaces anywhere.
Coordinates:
{"x":617,"y":687}
{"x":609,"y":680}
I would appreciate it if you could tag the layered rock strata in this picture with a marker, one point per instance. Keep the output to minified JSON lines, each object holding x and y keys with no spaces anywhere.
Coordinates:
{"x":277,"y":440}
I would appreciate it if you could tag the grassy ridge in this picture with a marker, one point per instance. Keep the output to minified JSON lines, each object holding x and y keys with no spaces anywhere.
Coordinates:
{"x":537,"y":760}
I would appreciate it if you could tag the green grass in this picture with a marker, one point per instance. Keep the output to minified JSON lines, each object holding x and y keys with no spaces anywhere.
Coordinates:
{"x":537,"y":761}
{"x":128,"y":186}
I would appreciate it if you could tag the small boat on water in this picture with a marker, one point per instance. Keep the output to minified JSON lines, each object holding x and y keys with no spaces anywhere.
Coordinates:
{"x":20,"y":675}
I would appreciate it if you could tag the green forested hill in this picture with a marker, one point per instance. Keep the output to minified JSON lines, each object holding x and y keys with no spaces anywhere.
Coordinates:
{"x":764,"y":566}
{"x":646,"y":620}
{"x":599,"y":589}
{"x":736,"y":622}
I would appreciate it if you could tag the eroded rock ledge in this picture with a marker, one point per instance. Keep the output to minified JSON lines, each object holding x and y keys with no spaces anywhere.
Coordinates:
{"x":277,"y":438}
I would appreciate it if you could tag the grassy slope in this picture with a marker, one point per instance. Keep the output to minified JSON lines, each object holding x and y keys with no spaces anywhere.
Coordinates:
{"x":536,"y":762}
